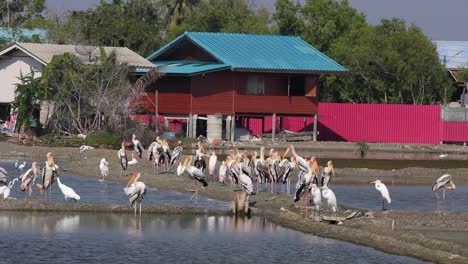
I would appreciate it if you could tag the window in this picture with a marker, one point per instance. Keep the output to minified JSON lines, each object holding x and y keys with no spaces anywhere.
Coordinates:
{"x":296,"y":86}
{"x":255,"y":85}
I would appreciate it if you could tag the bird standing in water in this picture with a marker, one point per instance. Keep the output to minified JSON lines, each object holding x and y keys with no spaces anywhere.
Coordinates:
{"x":212,"y":165}
{"x":67,"y":192}
{"x":29,"y":177}
{"x":195,"y":174}
{"x":327,"y":173}
{"x":104,"y":168}
{"x":49,"y":176}
{"x":380,"y":186}
{"x":135,"y":191}
{"x":446,"y":182}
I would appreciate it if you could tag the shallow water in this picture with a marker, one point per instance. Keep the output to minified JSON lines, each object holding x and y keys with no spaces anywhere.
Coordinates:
{"x":92,"y":191}
{"x":108,"y":238}
{"x":407,"y":198}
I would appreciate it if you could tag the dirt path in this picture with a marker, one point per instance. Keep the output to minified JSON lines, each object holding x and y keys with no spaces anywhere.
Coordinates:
{"x":424,"y":235}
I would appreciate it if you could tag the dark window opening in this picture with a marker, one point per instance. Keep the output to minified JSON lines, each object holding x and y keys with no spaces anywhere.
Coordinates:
{"x":255,"y":85}
{"x":296,"y":86}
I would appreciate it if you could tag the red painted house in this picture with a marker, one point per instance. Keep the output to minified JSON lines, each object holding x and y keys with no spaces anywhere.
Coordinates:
{"x":236,"y":76}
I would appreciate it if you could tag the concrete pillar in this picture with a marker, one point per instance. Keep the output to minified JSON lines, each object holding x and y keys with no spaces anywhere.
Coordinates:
{"x":166,"y":122}
{"x":273,"y":127}
{"x":315,"y":127}
{"x":233,"y":128}
{"x":194,"y":125}
{"x":189,"y":126}
{"x":228,"y":128}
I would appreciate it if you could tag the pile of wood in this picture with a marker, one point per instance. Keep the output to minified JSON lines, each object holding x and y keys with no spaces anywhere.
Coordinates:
{"x":289,"y":136}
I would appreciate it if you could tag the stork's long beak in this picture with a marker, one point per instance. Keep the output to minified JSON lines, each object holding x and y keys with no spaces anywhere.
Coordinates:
{"x":452,"y":186}
{"x":372,"y":182}
{"x":130,"y":181}
{"x":285,"y":153}
{"x":332,"y":170}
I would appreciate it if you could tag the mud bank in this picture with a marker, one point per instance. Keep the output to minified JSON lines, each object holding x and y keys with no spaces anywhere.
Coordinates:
{"x":424,"y":235}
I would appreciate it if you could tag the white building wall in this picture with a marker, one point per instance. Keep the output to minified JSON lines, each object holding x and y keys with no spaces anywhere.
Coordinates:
{"x":11,"y":66}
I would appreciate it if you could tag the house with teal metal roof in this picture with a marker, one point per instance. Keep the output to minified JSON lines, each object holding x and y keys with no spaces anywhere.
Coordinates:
{"x":237,"y":76}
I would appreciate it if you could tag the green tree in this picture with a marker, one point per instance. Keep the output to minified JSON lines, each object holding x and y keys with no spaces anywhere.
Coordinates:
{"x":88,"y":97}
{"x":28,"y":95}
{"x":135,"y":24}
{"x":287,"y":18}
{"x":16,"y":13}
{"x":224,"y":16}
{"x":388,"y":63}
{"x":463,"y":75}
{"x":327,"y":20}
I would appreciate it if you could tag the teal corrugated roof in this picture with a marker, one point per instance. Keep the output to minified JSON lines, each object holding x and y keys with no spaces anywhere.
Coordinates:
{"x":259,"y":52}
{"x":18,"y":34}
{"x":188,"y":67}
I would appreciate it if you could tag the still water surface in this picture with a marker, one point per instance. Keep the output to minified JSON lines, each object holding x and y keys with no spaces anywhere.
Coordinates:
{"x":92,"y":191}
{"x":109,"y":238}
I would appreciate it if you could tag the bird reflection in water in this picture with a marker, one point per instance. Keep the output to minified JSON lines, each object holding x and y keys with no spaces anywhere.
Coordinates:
{"x":135,"y":228}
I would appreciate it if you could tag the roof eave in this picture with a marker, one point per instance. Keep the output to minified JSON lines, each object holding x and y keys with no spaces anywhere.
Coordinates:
{"x":344,"y":72}
{"x":166,"y":47}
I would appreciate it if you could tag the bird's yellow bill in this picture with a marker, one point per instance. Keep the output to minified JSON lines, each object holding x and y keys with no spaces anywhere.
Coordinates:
{"x":286,"y":153}
{"x":130,"y":181}
{"x":372,"y":182}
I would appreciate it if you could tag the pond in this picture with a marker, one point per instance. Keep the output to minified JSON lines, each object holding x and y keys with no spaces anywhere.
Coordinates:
{"x":109,"y":238}
{"x":92,"y":191}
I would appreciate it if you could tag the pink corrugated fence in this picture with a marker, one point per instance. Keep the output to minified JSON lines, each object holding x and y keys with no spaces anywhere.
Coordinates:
{"x":454,"y":131}
{"x":387,"y":123}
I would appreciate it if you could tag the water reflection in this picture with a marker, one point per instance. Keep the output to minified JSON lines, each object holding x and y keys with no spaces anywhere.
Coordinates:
{"x":107,"y":238}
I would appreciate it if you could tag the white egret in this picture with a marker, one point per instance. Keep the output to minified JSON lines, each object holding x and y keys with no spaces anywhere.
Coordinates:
{"x":67,"y":192}
{"x":380,"y":186}
{"x":329,"y":196}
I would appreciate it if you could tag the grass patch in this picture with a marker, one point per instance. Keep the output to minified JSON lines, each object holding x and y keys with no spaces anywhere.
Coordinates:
{"x":113,"y":139}
{"x":3,"y":138}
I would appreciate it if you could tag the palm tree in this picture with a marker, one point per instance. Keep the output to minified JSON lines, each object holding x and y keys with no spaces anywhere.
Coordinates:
{"x":175,"y":11}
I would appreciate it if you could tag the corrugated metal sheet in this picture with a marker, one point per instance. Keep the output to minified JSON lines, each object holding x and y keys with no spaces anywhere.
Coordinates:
{"x":454,"y":131}
{"x":260,"y":52}
{"x":371,"y":123}
{"x":18,"y":34}
{"x":189,"y":67}
{"x":390,"y":123}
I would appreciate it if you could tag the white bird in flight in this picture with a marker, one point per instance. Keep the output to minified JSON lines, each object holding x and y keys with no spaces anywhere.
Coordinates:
{"x":380,"y":186}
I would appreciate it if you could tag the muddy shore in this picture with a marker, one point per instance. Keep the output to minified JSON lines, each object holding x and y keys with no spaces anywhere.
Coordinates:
{"x":424,"y":235}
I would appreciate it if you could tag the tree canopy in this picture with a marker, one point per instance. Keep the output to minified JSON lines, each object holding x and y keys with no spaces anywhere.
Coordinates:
{"x":16,"y":13}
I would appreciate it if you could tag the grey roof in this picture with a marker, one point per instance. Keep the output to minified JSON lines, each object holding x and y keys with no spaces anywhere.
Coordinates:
{"x":87,"y":54}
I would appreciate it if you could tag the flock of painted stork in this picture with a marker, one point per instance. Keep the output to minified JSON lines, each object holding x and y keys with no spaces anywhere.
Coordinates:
{"x":49,"y":174}
{"x":241,"y":169}
{"x":266,"y":171}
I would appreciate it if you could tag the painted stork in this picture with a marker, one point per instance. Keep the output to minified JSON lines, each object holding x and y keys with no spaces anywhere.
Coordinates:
{"x":176,"y":153}
{"x":304,"y":176}
{"x":67,"y":192}
{"x":29,"y":177}
{"x":327,"y":173}
{"x":137,"y":146}
{"x":195,"y":174}
{"x":104,"y":168}
{"x":123,"y":159}
{"x":286,"y":168}
{"x":446,"y":182}
{"x":3,"y":177}
{"x":199,"y":162}
{"x":380,"y":186}
{"x":212,"y":164}
{"x":315,"y":170}
{"x":222,"y":172}
{"x":135,"y":191}
{"x":49,"y":175}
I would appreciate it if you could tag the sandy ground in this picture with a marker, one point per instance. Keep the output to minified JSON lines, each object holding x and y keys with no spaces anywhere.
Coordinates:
{"x":440,"y":237}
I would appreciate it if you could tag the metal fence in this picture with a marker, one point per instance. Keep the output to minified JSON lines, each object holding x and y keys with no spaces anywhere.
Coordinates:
{"x":454,"y":114}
